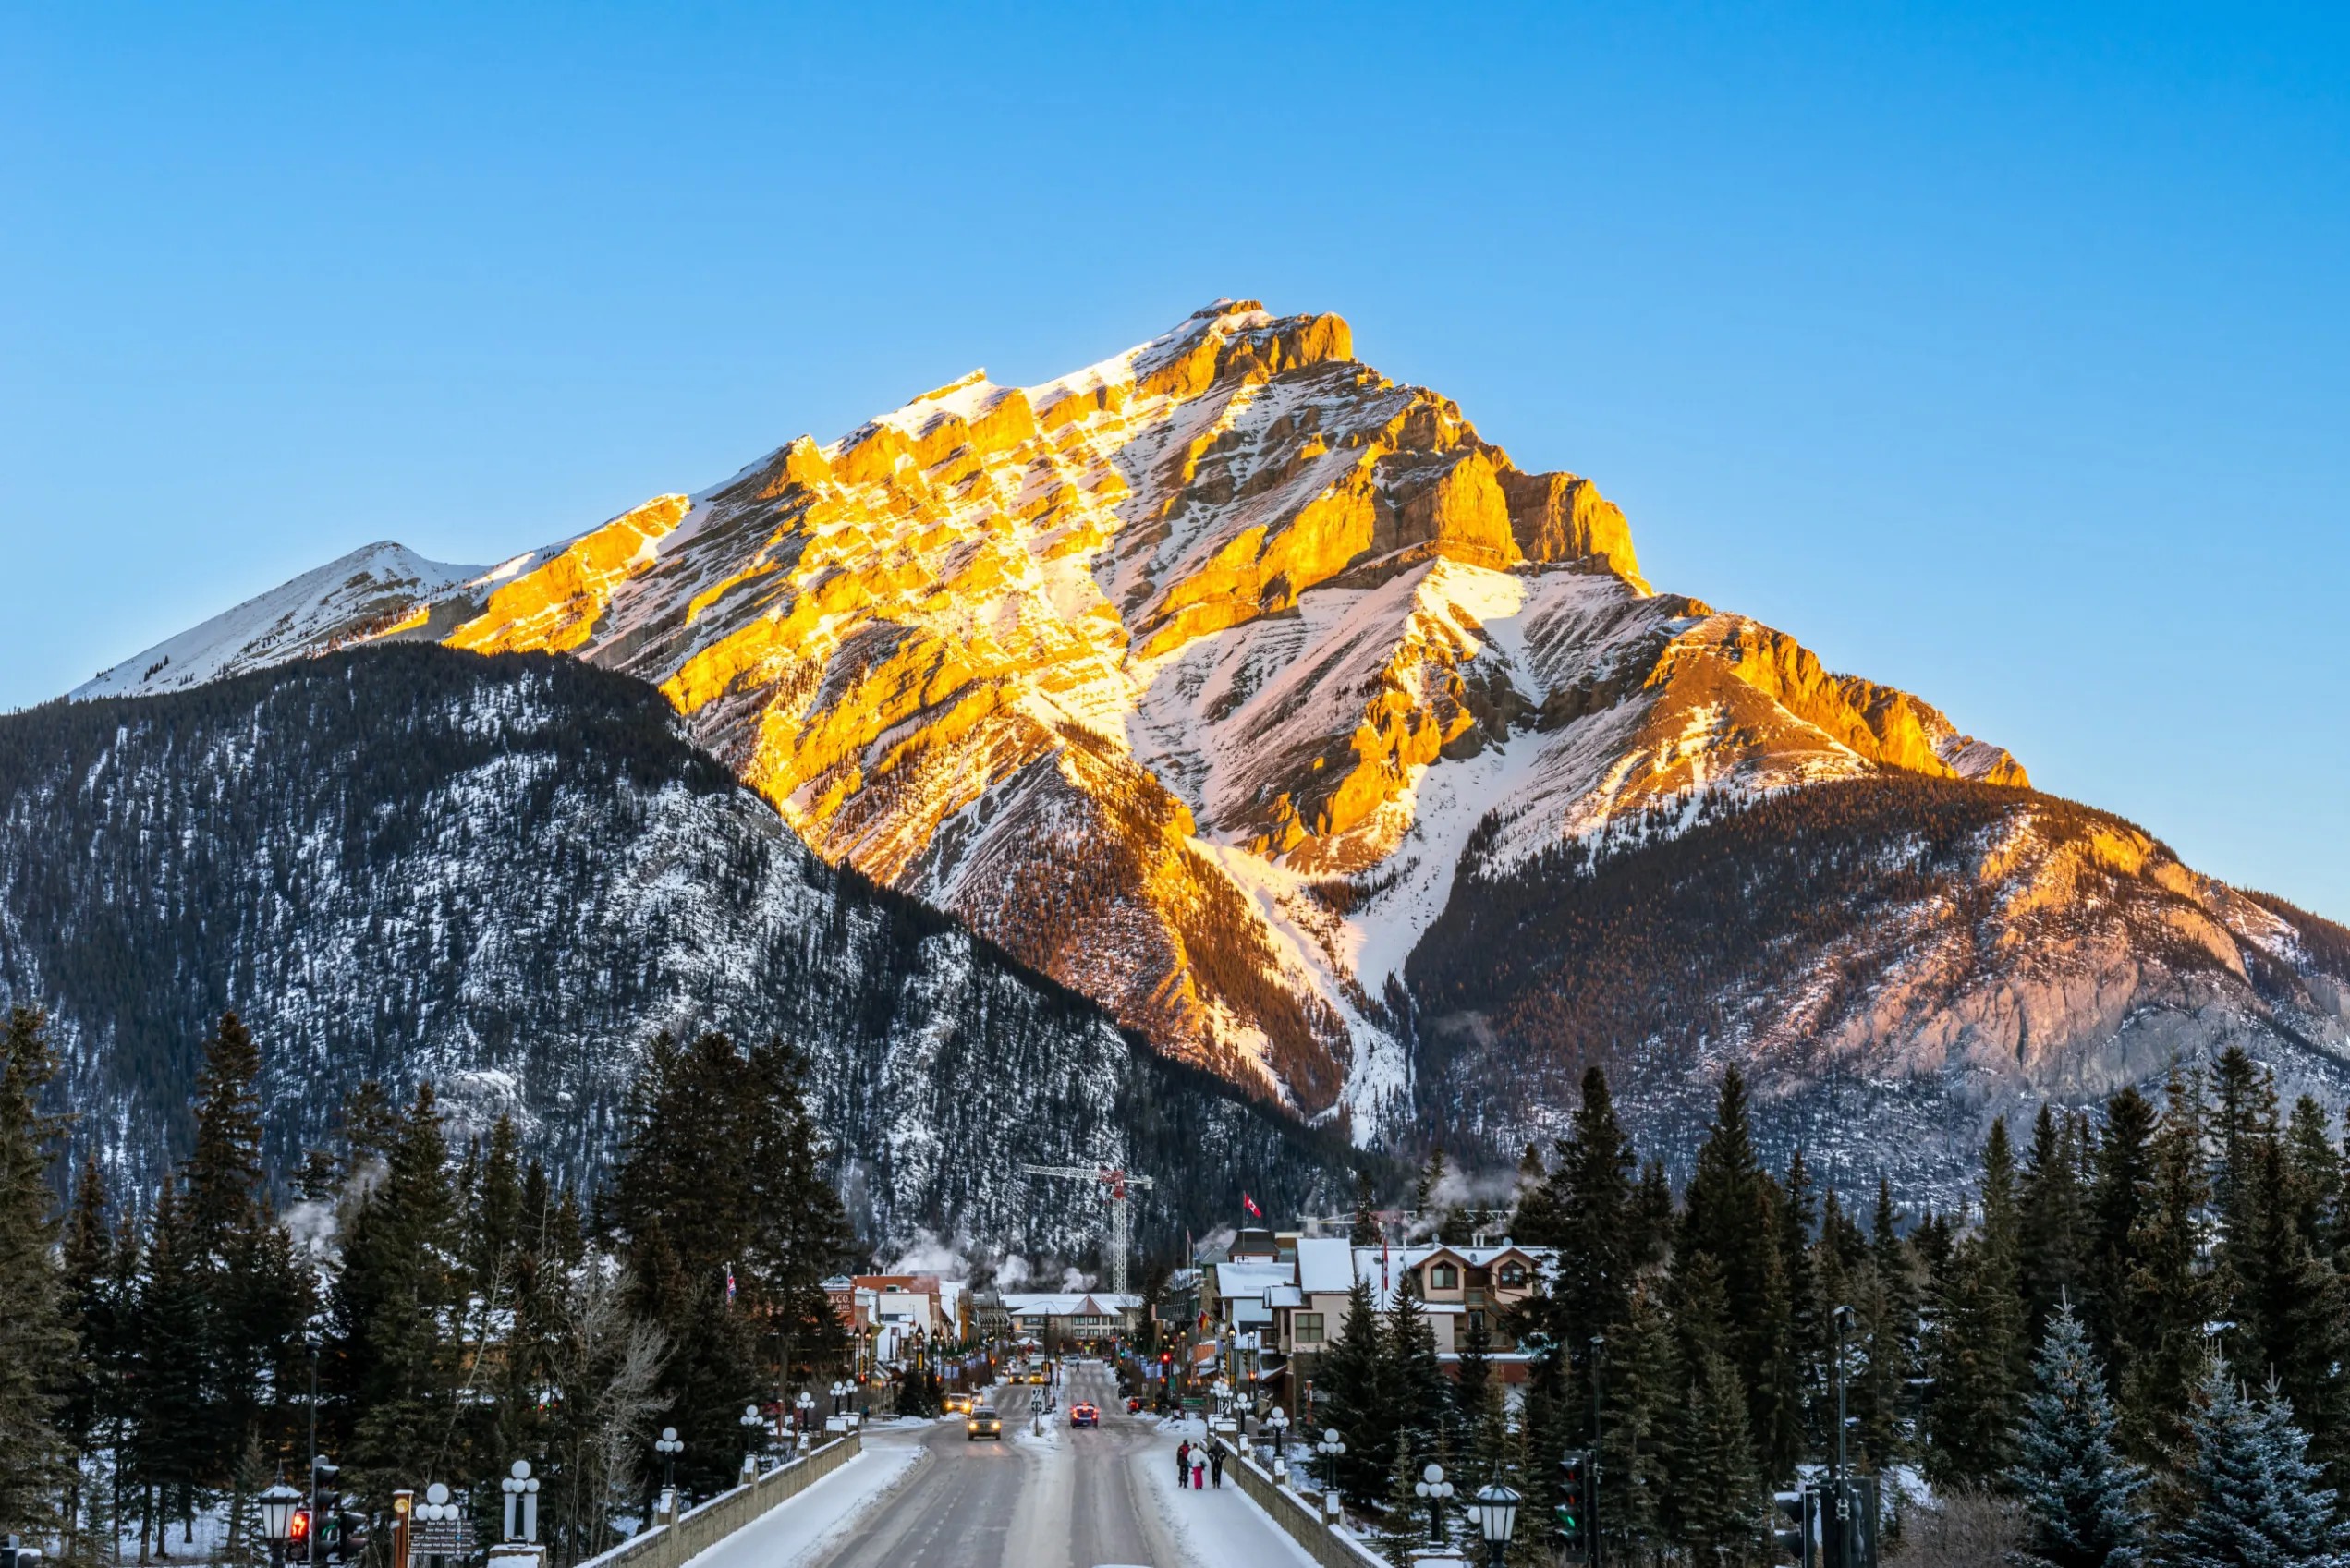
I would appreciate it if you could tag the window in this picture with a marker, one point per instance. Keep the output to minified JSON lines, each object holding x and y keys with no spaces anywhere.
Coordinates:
{"x":1443,"y":1276}
{"x":1513,"y":1276}
{"x":1306,"y":1328}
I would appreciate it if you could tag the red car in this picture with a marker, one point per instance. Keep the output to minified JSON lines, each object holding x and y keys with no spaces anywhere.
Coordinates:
{"x":1134,"y":1405}
{"x":1084,"y":1415}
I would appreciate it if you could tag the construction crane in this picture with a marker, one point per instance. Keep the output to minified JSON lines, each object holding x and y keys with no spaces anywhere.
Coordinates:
{"x":1117,"y":1181}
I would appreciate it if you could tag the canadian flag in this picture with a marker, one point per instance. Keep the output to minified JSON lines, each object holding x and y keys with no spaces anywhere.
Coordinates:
{"x":1250,"y":1205}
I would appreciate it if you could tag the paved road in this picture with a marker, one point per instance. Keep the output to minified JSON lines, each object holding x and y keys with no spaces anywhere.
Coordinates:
{"x":1067,"y":1501}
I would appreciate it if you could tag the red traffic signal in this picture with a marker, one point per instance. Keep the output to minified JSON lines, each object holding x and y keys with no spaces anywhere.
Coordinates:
{"x":298,"y":1528}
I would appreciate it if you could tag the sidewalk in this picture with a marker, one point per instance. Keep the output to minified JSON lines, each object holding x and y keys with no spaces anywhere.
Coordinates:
{"x":1218,"y":1527}
{"x":801,"y":1529}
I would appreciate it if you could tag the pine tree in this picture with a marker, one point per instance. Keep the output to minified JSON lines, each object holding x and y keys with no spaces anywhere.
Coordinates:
{"x":1537,"y":1221}
{"x":2051,"y":1219}
{"x":1641,"y":1390}
{"x":2081,"y":1494}
{"x":254,"y":1299}
{"x":1419,"y":1393}
{"x":1365,"y":1232}
{"x":1398,"y":1531}
{"x":2291,"y":1305}
{"x":2169,"y":1298}
{"x":2254,"y":1498}
{"x":2317,"y":1176}
{"x":1717,"y":1491}
{"x":720,"y":1171}
{"x":170,"y":1442}
{"x":369,"y":1124}
{"x":1594,"y":1194}
{"x":90,"y":1307}
{"x":1889,"y":1327}
{"x":1978,"y":1338}
{"x":223,"y":1176}
{"x":1731,"y":1215}
{"x":1808,"y":1308}
{"x":1351,"y":1385}
{"x":390,"y":1355}
{"x":36,"y":1338}
{"x":2117,"y":1201}
{"x":1473,"y":1375}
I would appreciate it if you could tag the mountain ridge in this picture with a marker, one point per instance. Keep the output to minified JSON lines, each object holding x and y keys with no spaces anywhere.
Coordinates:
{"x":506,"y":874}
{"x":1208,"y":677}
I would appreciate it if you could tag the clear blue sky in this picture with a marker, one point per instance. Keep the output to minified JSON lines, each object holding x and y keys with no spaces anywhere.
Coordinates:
{"x":2002,"y":354}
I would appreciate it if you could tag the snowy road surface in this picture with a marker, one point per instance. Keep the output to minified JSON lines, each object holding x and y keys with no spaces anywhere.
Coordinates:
{"x":926,"y":1498}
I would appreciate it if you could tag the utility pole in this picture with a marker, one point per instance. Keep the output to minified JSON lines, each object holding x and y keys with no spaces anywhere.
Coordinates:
{"x":1599,"y":1348}
{"x":312,"y":1552}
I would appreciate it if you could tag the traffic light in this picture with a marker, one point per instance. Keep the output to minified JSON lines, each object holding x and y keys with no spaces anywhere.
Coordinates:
{"x":1574,"y":1510}
{"x":298,"y":1529}
{"x":1788,"y":1525}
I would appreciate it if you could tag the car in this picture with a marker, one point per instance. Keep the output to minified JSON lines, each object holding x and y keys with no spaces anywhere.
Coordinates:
{"x":983,"y":1422}
{"x":958,"y":1404}
{"x":1036,"y":1377}
{"x":1083,"y":1413}
{"x":1134,"y":1405}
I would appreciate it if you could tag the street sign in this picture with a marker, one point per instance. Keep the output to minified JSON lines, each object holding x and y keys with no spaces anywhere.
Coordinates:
{"x":439,"y":1537}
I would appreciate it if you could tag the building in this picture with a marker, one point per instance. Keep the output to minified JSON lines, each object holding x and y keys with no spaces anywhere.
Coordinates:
{"x":1056,"y":1318}
{"x":1273,"y":1310}
{"x":892,"y":1312}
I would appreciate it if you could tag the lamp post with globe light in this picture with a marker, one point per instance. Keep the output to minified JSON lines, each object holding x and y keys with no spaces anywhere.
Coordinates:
{"x":278,"y":1506}
{"x":669,"y":1447}
{"x":1496,"y":1510}
{"x":1332,"y":1446}
{"x":751,"y":1421}
{"x":1276,"y":1422}
{"x":1432,"y":1486}
{"x":521,"y":1503}
{"x":803,"y":1403}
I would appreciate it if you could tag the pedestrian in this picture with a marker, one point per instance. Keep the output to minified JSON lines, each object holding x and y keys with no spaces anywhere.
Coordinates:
{"x":1198,"y":1471}
{"x":1215,"y":1464}
{"x":1183,"y":1465}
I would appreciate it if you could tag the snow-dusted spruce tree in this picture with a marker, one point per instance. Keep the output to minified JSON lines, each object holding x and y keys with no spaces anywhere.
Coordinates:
{"x":2081,"y":1496}
{"x":2255,"y":1497}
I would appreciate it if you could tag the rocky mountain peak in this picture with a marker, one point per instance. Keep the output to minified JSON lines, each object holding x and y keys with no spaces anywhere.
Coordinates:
{"x":1206,"y":678}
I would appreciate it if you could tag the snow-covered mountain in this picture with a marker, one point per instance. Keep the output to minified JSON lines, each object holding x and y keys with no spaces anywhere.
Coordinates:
{"x":1208,"y":678}
{"x":506,"y":875}
{"x":367,"y":593}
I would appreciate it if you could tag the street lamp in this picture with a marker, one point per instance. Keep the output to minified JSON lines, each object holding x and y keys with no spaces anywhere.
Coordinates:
{"x":1432,"y":1486}
{"x":804,"y":1403}
{"x":521,"y":1502}
{"x":1277,"y":1419}
{"x":751,"y":1421}
{"x":278,"y":1505}
{"x":1496,"y":1510}
{"x":1331,"y":1447}
{"x":669,"y":1447}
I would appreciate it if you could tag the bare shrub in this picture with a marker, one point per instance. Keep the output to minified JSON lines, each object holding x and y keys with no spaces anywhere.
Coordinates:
{"x":1961,"y":1529}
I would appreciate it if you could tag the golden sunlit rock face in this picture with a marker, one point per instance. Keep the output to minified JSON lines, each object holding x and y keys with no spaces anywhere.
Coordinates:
{"x":1192,"y":677}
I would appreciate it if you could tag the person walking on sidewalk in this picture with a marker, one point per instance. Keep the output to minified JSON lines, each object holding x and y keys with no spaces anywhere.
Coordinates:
{"x":1215,"y":1464}
{"x":1183,"y":1465}
{"x":1198,"y":1471}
